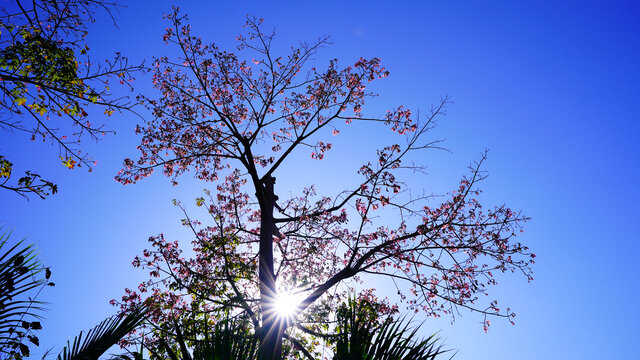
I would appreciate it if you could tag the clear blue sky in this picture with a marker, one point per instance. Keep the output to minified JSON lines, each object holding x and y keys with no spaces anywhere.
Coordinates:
{"x":552,"y":89}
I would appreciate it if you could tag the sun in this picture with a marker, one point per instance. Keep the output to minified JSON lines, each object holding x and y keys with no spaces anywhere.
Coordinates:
{"x":286,"y":304}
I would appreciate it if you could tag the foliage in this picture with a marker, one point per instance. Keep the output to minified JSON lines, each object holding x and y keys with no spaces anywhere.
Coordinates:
{"x":229,"y":339}
{"x":47,"y":76}
{"x":362,"y":337}
{"x":105,"y":335}
{"x":29,"y":183}
{"x":21,"y":280}
{"x":234,"y":122}
{"x":362,"y":334}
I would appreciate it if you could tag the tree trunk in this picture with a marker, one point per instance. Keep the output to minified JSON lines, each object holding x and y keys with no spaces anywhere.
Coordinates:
{"x":270,"y":334}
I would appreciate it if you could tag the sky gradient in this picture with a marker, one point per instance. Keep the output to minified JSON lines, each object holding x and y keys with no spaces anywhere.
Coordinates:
{"x":551,"y":90}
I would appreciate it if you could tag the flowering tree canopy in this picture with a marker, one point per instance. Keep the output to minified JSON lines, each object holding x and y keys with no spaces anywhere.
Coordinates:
{"x":46,"y":73}
{"x":234,"y":122}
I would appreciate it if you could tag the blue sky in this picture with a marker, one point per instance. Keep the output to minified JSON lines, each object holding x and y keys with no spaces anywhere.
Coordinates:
{"x":550,"y":88}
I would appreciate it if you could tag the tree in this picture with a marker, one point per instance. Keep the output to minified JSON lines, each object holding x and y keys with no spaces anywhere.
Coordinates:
{"x":22,"y":277}
{"x":47,"y":73}
{"x":361,"y":335}
{"x":234,"y":122}
{"x":230,"y":339}
{"x":102,"y":337}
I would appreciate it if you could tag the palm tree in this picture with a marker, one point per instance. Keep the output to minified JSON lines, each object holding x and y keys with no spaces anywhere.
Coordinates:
{"x":230,"y":339}
{"x":99,"y":339}
{"x":362,"y":336}
{"x":21,"y":281}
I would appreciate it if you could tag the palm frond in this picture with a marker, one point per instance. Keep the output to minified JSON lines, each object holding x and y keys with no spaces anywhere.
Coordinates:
{"x":99,"y":339}
{"x":230,"y":340}
{"x":361,"y":336}
{"x":19,"y":287}
{"x":226,"y":340}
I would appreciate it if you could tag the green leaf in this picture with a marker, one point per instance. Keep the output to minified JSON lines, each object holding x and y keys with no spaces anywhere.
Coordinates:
{"x":361,"y":336}
{"x":19,"y":274}
{"x":99,"y":339}
{"x":5,"y":168}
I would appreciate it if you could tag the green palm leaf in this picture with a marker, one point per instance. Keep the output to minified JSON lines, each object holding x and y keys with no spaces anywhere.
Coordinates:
{"x":230,"y":340}
{"x":19,"y":311}
{"x":99,"y":339}
{"x":362,"y":337}
{"x":226,"y":340}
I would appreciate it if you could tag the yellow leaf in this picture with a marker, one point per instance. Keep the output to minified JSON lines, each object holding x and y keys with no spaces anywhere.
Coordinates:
{"x":5,"y":168}
{"x":68,"y":162}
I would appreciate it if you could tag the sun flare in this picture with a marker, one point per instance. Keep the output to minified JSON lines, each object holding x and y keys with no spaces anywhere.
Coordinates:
{"x":286,"y":304}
